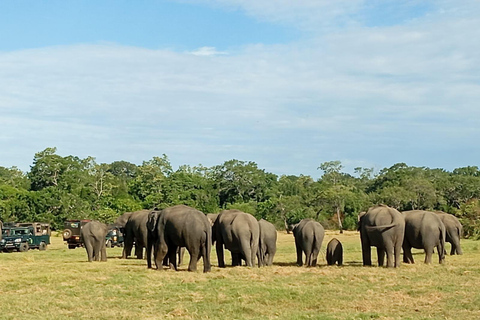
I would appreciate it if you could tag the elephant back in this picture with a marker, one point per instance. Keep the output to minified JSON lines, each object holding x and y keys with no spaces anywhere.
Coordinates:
{"x":382,"y":216}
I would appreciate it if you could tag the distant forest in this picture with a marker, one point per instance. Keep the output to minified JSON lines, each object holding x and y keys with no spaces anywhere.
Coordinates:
{"x":58,"y":188}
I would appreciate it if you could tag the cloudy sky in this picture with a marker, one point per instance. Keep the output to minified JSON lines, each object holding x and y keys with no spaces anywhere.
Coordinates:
{"x":288,"y":84}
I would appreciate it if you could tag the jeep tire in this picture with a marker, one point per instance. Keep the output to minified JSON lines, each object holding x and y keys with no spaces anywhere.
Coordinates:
{"x":67,"y":233}
{"x":23,"y":247}
{"x":42,"y":246}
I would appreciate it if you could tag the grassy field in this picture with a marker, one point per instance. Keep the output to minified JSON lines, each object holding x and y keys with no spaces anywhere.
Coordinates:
{"x":59,"y":283}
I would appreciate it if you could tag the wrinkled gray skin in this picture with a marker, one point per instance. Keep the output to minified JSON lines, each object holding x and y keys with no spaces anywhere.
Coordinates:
{"x":308,"y":235}
{"x":423,"y":230}
{"x":334,"y":252}
{"x":238,"y":232}
{"x":454,"y":231}
{"x":212,"y":217}
{"x":382,"y":227}
{"x":267,"y":245}
{"x":175,"y":227}
{"x":135,"y":231}
{"x":93,"y":234}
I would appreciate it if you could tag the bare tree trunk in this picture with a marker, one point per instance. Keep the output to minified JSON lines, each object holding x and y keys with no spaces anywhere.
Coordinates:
{"x":340,"y":225}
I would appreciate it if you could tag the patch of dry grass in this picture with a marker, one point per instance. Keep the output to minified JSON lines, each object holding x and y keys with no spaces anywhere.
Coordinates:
{"x":60,"y":283}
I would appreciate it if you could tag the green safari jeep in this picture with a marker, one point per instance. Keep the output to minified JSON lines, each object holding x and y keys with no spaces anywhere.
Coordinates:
{"x":24,"y":236}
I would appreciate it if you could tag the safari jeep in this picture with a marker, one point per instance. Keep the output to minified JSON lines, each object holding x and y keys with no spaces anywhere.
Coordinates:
{"x":71,"y":233}
{"x":114,"y":237}
{"x":24,"y":236}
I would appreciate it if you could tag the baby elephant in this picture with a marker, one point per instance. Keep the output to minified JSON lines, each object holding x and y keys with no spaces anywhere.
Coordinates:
{"x":93,"y":234}
{"x":334,"y":252}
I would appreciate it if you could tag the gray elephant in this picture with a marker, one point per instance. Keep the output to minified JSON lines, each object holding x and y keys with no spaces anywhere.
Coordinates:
{"x":423,"y":230}
{"x":308,"y":235}
{"x":238,"y":232}
{"x":93,"y":234}
{"x":334,"y":252}
{"x":267,"y":246}
{"x":212,"y":217}
{"x":382,"y":227}
{"x":135,"y":232}
{"x":176,"y":227}
{"x":454,"y":230}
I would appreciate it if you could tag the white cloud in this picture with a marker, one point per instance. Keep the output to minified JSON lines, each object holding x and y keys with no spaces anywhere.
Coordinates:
{"x":362,"y":95}
{"x":207,"y":51}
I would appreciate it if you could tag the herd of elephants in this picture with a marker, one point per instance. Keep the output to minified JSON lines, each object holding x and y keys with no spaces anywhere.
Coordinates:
{"x":167,"y":233}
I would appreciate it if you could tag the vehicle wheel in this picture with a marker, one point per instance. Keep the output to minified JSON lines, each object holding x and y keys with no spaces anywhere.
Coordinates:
{"x":71,"y":246}
{"x":67,"y":233}
{"x":42,"y":246}
{"x":23,"y":247}
{"x":109,"y":244}
{"x":121,"y":245}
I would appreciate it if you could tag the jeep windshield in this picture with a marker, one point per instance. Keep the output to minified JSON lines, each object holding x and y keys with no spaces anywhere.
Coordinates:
{"x":19,"y":232}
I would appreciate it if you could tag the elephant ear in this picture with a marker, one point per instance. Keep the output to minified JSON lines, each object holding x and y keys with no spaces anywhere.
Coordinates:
{"x":152,"y":220}
{"x":359,"y":219}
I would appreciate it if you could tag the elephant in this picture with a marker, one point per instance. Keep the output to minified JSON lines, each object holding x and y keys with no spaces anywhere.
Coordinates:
{"x":334,"y":252}
{"x":93,"y":234}
{"x":267,"y":245}
{"x":212,"y":217}
{"x":308,"y":235}
{"x":382,"y":227}
{"x":454,"y":231}
{"x":239,"y":232}
{"x":423,"y":230}
{"x":135,"y":231}
{"x":176,"y":227}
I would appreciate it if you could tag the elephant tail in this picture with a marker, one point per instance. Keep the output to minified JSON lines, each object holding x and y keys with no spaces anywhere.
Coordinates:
{"x":260,"y":251}
{"x":381,"y":228}
{"x":206,"y":250}
{"x":441,"y":250}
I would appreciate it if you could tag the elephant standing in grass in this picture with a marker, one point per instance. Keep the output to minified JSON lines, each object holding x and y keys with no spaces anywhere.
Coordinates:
{"x":308,"y":235}
{"x":382,"y":227}
{"x":334,"y":252}
{"x":176,"y":227}
{"x":267,"y":246}
{"x":238,"y":232}
{"x":93,"y":234}
{"x":454,"y":230}
{"x":135,"y":231}
{"x":423,"y":230}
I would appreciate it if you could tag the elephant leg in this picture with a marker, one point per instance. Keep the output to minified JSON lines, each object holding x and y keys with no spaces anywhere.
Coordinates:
{"x":428,"y":255}
{"x":236,"y":259}
{"x":366,"y":251}
{"x":441,"y":254}
{"x":397,"y":253}
{"x":247,"y":252}
{"x":103,"y":251}
{"x":299,"y":254}
{"x":220,"y":254}
{"x":161,"y":251}
{"x":390,"y":251}
{"x":456,"y":249}
{"x":97,"y":250}
{"x":138,"y":251}
{"x":380,"y":256}
{"x":315,"y":253}
{"x":181,"y":253}
{"x":127,"y":248}
{"x":89,"y":249}
{"x":194,"y":256}
{"x":407,"y":255}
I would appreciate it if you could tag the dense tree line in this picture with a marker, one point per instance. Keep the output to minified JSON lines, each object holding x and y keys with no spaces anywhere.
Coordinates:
{"x":58,"y":188}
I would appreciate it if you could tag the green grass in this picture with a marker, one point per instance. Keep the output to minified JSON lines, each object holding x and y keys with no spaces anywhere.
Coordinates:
{"x":59,"y":283}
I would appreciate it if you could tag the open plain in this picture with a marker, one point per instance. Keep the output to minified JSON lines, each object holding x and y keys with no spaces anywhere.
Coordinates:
{"x":59,"y":283}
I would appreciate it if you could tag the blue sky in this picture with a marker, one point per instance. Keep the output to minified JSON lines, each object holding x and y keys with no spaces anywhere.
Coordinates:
{"x":287,"y":84}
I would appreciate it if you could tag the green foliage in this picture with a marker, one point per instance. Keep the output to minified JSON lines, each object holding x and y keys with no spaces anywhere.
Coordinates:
{"x":58,"y":188}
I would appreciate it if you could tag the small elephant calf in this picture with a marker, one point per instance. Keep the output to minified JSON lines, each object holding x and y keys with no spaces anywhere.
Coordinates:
{"x":334,"y":252}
